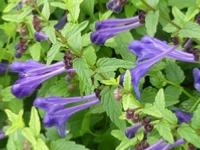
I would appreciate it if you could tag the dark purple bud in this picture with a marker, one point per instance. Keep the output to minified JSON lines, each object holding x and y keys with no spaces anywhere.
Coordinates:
{"x":131,"y":131}
{"x":61,"y":23}
{"x":40,"y":36}
{"x":183,"y":116}
{"x":37,"y":23}
{"x":118,"y":94}
{"x":198,"y":18}
{"x":148,"y":127}
{"x":116,"y":5}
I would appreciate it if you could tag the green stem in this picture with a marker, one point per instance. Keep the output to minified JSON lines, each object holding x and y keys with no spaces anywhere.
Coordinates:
{"x":195,"y":105}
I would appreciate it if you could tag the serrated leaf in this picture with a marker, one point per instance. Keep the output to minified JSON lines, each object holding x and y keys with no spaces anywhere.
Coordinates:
{"x":84,"y":73}
{"x":90,"y":55}
{"x":28,"y":134}
{"x":74,"y":9}
{"x":112,"y":107}
{"x":46,"y":10}
{"x":174,"y":73}
{"x":16,"y":121}
{"x":151,"y":22}
{"x":151,"y":110}
{"x":190,"y":30}
{"x":127,"y":81}
{"x":54,"y":50}
{"x":160,"y":100}
{"x":35,"y":51}
{"x":129,"y":102}
{"x":34,"y":122}
{"x":189,"y":134}
{"x":165,"y":131}
{"x":68,"y":145}
{"x":112,"y":64}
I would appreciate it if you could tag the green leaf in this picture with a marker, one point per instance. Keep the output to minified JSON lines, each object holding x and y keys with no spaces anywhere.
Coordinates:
{"x":88,"y":7}
{"x":119,"y":44}
{"x":74,"y":9}
{"x":112,"y":107}
{"x":46,"y":10}
{"x":174,"y":73}
{"x":151,"y":22}
{"x":16,"y":121}
{"x":160,"y":100}
{"x":112,"y":64}
{"x":195,"y":123}
{"x":189,"y":134}
{"x":129,"y":101}
{"x":15,"y":141}
{"x":54,"y":50}
{"x":90,"y":55}
{"x":40,"y":145}
{"x":34,"y":123}
{"x":29,"y":135}
{"x":84,"y":73}
{"x":190,"y":30}
{"x":127,"y":81}
{"x":182,"y":3}
{"x":64,"y":145}
{"x":172,"y":95}
{"x":169,"y":117}
{"x":35,"y":51}
{"x":165,"y":131}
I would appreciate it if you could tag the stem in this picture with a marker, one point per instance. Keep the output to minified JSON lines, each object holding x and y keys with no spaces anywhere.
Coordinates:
{"x":195,"y":105}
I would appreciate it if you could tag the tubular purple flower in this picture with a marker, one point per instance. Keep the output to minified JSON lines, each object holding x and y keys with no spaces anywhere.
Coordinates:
{"x":111,"y":27}
{"x":3,"y":67}
{"x":32,"y":74}
{"x":149,"y":47}
{"x":40,"y":36}
{"x":183,"y":116}
{"x":142,"y":68}
{"x":61,"y":23}
{"x":131,"y":131}
{"x":196,"y":76}
{"x":162,"y":145}
{"x":57,"y":112}
{"x":116,"y":5}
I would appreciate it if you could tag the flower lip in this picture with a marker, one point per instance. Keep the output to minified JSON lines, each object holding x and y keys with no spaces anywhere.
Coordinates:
{"x":182,"y":116}
{"x":116,"y":5}
{"x":40,"y":36}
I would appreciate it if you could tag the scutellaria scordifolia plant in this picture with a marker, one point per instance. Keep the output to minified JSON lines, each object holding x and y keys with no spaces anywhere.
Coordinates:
{"x":99,"y":74}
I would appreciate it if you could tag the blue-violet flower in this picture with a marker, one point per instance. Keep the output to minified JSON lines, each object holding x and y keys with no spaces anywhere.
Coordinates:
{"x":196,"y":76}
{"x":57,"y":111}
{"x":32,"y":74}
{"x":162,"y":145}
{"x":40,"y":36}
{"x":111,"y":27}
{"x":61,"y":23}
{"x":131,"y":131}
{"x":183,"y":116}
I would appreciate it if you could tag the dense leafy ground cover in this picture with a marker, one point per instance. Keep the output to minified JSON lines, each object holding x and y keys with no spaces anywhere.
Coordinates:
{"x":99,"y":74}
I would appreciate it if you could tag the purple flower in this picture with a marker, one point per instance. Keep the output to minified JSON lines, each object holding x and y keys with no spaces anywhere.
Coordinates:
{"x":143,"y":67}
{"x":149,"y":47}
{"x":111,"y":27}
{"x":40,"y":36}
{"x":131,"y":131}
{"x":32,"y":74}
{"x":196,"y":75}
{"x":162,"y":145}
{"x":61,"y":23}
{"x":183,"y":116}
{"x":2,"y":135}
{"x":116,"y":5}
{"x":57,"y":111}
{"x":3,"y":67}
